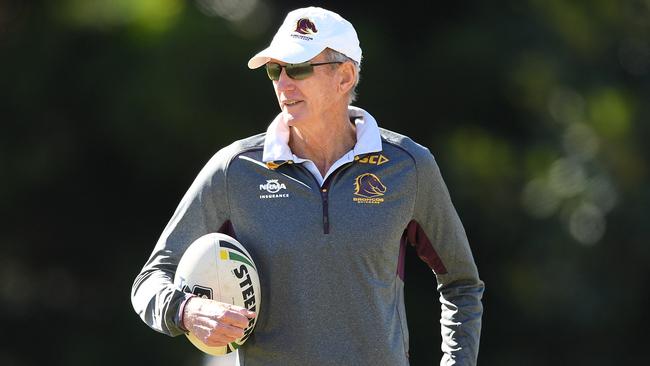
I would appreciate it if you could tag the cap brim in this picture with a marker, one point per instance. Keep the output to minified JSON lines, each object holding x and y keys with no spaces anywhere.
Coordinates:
{"x":290,"y":52}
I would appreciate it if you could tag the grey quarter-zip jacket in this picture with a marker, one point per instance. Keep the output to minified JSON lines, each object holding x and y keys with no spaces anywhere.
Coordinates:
{"x":330,"y":256}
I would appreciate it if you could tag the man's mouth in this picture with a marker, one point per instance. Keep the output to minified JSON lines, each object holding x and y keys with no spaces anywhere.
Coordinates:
{"x":291,"y":102}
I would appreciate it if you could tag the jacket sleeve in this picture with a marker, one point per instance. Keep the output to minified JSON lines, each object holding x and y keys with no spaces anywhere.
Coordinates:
{"x":440,"y":240}
{"x":202,"y":210}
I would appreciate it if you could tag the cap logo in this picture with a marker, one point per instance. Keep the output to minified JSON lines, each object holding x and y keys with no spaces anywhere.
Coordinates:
{"x":305,"y":26}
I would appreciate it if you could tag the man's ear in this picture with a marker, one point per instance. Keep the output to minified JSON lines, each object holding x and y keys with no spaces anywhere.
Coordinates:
{"x":348,"y":76}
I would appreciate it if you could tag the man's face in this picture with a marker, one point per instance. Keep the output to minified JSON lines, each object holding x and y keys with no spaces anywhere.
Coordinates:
{"x":307,"y":100}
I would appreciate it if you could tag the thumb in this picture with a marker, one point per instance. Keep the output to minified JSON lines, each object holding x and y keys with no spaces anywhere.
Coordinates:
{"x":243,"y":311}
{"x":247,"y":313}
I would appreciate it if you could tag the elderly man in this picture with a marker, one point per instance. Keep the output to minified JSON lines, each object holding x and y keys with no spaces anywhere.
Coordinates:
{"x":329,"y":238}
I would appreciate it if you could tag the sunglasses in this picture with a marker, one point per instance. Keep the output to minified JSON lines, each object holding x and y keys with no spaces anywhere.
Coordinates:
{"x":295,"y":71}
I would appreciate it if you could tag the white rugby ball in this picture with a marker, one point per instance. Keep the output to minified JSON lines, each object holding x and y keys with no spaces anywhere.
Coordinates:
{"x":218,"y":267}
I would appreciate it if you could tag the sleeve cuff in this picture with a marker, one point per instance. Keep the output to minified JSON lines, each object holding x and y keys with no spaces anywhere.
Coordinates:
{"x":181,"y":311}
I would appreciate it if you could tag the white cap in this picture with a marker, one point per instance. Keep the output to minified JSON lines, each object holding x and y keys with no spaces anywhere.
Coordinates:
{"x":307,"y":32}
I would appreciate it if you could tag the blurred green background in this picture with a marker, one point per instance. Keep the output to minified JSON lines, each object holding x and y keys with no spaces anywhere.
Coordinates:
{"x":537,"y":112}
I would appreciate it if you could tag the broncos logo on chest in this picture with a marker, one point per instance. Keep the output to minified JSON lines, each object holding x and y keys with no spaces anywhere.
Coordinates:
{"x":368,"y":185}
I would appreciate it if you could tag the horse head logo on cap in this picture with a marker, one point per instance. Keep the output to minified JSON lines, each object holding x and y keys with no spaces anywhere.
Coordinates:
{"x":305,"y":26}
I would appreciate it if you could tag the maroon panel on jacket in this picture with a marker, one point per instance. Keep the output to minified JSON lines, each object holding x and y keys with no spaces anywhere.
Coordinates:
{"x":402,"y":255}
{"x":415,"y":235}
{"x":228,"y":229}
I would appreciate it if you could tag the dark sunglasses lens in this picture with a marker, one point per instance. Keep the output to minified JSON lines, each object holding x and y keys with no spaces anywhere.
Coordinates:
{"x":273,"y":71}
{"x":299,"y":71}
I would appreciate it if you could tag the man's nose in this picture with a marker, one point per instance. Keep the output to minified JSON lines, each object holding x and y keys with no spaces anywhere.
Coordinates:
{"x":284,"y":81}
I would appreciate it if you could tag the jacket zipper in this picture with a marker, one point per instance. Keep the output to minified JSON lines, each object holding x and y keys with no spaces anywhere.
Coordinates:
{"x":324,"y":194}
{"x":326,"y":217}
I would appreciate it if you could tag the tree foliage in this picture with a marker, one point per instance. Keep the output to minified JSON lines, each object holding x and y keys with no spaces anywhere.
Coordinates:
{"x":536,"y":111}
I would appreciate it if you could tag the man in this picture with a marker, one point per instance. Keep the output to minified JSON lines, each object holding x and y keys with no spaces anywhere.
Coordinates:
{"x":326,"y":202}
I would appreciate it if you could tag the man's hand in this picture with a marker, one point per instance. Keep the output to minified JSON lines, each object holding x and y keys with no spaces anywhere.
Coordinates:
{"x":215,"y":323}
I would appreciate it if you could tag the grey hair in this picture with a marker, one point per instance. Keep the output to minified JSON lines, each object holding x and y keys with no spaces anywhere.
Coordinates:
{"x":335,"y":56}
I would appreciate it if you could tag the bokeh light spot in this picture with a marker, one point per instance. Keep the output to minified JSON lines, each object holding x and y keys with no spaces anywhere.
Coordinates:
{"x":610,"y":113}
{"x":539,"y":199}
{"x":602,"y":193}
{"x":151,"y":15}
{"x":487,"y":157}
{"x":587,"y":224}
{"x":567,"y":177}
{"x":580,"y":141}
{"x":232,"y":10}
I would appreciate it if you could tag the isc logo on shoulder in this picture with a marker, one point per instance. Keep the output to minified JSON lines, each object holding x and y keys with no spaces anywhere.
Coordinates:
{"x":273,"y":187}
{"x":376,"y":159}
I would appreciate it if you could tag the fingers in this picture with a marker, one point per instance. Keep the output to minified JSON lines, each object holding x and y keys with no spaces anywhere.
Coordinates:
{"x":243,"y":311}
{"x":215,"y":323}
{"x":247,"y":313}
{"x":206,"y":335}
{"x":221,"y":335}
{"x":235,"y":316}
{"x":231,"y":314}
{"x":216,"y":335}
{"x":229,"y":331}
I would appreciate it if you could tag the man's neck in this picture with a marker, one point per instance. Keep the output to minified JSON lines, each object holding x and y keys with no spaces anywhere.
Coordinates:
{"x":323,"y":142}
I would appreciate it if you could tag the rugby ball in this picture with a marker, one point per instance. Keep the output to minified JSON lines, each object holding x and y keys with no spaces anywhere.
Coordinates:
{"x":218,"y":267}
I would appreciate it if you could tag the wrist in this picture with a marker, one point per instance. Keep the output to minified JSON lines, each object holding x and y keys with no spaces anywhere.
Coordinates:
{"x":181,"y":312}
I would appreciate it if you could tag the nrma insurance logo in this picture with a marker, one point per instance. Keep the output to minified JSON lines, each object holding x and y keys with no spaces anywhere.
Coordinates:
{"x":273,"y":189}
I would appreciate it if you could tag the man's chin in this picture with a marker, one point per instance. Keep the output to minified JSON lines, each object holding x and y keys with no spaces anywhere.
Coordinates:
{"x":291,"y":119}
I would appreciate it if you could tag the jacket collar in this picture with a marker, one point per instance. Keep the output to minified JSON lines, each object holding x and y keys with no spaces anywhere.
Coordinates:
{"x":276,"y":142}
